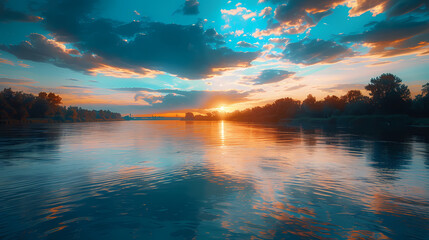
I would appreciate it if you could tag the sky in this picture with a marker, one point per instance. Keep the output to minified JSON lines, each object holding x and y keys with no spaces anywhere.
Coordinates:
{"x":173,"y":56}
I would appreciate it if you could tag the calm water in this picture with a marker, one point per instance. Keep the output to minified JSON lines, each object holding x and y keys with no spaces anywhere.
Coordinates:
{"x":211,"y":180}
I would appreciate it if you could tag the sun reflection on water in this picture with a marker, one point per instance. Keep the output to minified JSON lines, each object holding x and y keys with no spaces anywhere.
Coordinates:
{"x":204,"y":179}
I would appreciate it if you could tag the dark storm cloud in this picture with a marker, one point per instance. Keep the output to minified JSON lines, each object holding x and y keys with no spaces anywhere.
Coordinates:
{"x":245,"y":44}
{"x":190,"y":7}
{"x":182,"y":50}
{"x":9,"y":15}
{"x":269,"y":76}
{"x":309,"y":52}
{"x":393,"y":37}
{"x":165,"y":100}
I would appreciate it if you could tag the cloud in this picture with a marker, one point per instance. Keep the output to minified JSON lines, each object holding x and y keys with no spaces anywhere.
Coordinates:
{"x":73,"y":79}
{"x":235,"y":11}
{"x":238,"y":32}
{"x":41,"y":49}
{"x":74,"y":87}
{"x":309,"y":52}
{"x":245,"y":44}
{"x":392,"y":8}
{"x":296,"y":87}
{"x":266,"y":12}
{"x":343,"y":87}
{"x":379,"y":63}
{"x":249,"y":15}
{"x":394,"y":37}
{"x":190,"y":7}
{"x":15,"y":81}
{"x":304,"y":14}
{"x":213,"y":37}
{"x":279,"y":40}
{"x":9,"y":15}
{"x":136,"y":48}
{"x":5,"y":61}
{"x":170,"y":100}
{"x":269,"y":76}
{"x":296,"y":16}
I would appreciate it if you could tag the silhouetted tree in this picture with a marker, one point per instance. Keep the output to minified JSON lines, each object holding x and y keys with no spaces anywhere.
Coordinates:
{"x":19,"y":106}
{"x":388,"y":93}
{"x":387,"y":96}
{"x":333,"y":105}
{"x":311,"y":108}
{"x":356,"y":103}
{"x":189,"y":116}
{"x":421,"y":102}
{"x":353,"y":96}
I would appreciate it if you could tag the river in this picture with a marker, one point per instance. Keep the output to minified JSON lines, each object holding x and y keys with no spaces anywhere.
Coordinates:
{"x":211,"y":180}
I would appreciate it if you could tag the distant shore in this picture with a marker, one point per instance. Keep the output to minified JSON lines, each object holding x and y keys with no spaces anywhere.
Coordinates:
{"x":49,"y":120}
{"x":390,"y":121}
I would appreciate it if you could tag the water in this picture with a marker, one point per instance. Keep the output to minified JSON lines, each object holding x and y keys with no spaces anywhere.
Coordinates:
{"x":211,"y":180}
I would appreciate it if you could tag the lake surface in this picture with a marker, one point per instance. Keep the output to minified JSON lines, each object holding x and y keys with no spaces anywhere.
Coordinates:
{"x":211,"y":180}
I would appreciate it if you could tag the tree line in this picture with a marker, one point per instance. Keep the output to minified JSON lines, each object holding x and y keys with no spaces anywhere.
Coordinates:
{"x":387,"y":95}
{"x":22,"y":106}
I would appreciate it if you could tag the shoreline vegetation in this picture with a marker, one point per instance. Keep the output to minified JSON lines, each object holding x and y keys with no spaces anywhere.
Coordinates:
{"x":389,"y":104}
{"x":23,"y":108}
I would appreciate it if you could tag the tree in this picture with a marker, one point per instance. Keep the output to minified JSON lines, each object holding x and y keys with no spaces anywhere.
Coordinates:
{"x":353,"y":96}
{"x":421,"y":102}
{"x":310,"y":100}
{"x":19,"y":106}
{"x":71,"y":113}
{"x":53,"y":99}
{"x":356,"y":103}
{"x":425,"y":90}
{"x":332,"y":105}
{"x":189,"y":116}
{"x":312,"y":108}
{"x":388,"y":93}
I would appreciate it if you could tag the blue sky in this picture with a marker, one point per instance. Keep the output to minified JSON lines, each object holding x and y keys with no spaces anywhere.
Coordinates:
{"x":172,"y":56}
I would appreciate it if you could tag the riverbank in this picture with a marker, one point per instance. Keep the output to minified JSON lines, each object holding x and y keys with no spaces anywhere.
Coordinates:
{"x":49,"y":120}
{"x":362,"y":121}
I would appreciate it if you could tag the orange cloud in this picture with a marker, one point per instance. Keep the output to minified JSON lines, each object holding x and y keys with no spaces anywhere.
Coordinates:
{"x":117,"y":72}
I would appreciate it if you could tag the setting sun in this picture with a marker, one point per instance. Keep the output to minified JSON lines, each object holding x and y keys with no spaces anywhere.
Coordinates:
{"x":222,"y":108}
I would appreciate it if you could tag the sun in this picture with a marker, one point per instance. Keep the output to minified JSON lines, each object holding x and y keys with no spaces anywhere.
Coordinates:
{"x":222,"y":108}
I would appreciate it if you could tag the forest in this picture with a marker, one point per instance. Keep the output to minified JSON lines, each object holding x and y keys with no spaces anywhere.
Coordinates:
{"x":387,"y":96}
{"x":19,"y":106}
